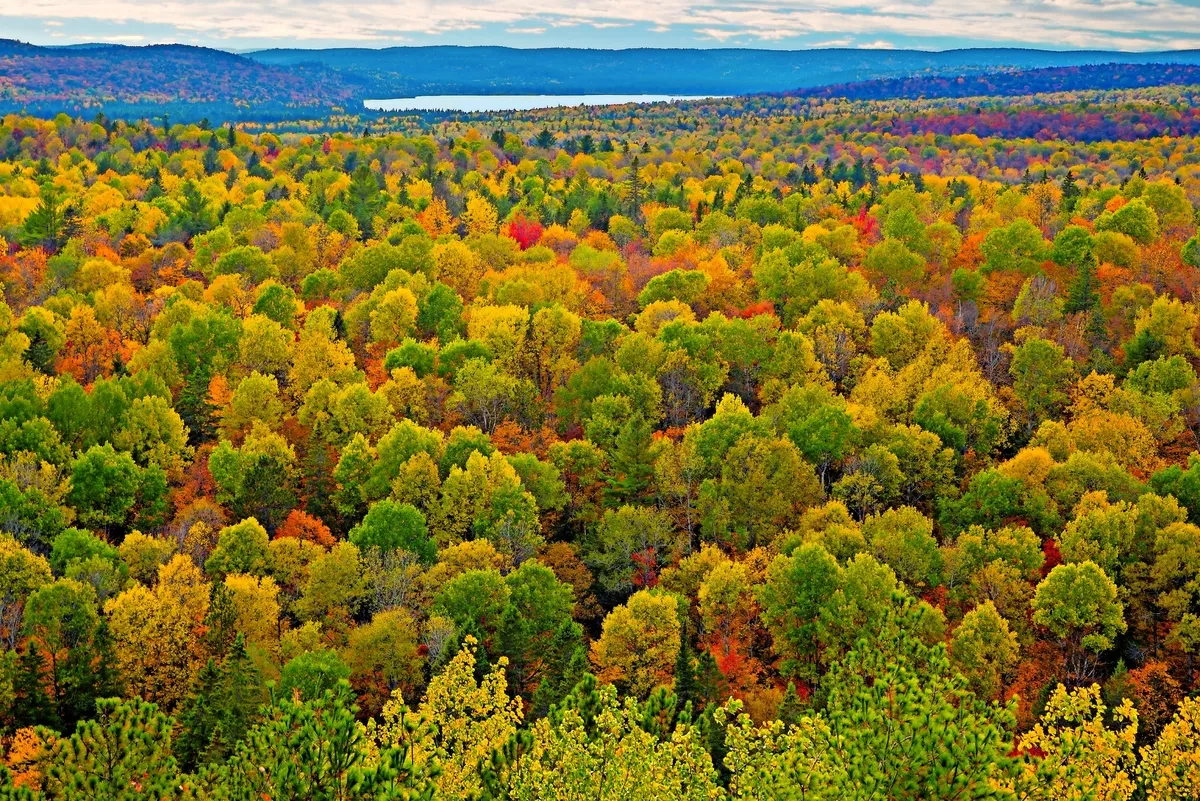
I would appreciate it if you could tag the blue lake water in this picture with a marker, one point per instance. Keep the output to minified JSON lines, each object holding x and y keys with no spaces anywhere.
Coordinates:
{"x":488,"y":103}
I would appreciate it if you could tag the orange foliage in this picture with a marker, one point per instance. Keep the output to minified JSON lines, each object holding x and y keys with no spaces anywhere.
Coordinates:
{"x":304,"y":526}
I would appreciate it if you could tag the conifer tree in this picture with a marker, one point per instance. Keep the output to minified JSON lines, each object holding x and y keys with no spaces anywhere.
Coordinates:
{"x":635,"y":190}
{"x":1083,"y":295}
{"x":123,"y":755}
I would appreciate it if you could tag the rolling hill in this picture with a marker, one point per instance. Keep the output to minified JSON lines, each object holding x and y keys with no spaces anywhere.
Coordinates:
{"x":175,"y":79}
{"x":408,"y":71}
{"x":189,"y":83}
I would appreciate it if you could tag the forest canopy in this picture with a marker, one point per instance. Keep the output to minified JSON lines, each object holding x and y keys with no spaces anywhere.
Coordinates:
{"x":762,"y":448}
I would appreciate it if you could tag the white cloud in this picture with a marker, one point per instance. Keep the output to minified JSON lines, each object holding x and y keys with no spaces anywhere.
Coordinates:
{"x":530,"y":31}
{"x":125,"y":38}
{"x":720,"y":34}
{"x":1108,"y":24}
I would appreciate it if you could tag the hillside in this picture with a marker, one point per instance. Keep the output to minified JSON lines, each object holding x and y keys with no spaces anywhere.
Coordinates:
{"x":408,"y":71}
{"x":1009,"y":83}
{"x":176,"y":79}
{"x":189,"y":83}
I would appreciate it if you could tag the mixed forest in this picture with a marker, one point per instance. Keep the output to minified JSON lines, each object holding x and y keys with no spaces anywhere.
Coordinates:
{"x":770,"y":448}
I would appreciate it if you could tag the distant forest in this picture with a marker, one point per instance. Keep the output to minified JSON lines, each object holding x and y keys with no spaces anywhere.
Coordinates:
{"x":1013,"y":82}
{"x":177,"y":80}
{"x":192,"y":83}
{"x":411,"y":71}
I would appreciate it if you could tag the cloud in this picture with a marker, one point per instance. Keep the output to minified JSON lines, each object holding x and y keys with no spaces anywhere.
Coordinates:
{"x":125,"y":38}
{"x":720,"y":34}
{"x":1107,"y":24}
{"x":530,"y":31}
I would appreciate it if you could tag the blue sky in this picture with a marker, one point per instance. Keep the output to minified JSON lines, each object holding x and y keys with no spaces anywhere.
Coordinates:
{"x":928,"y":24}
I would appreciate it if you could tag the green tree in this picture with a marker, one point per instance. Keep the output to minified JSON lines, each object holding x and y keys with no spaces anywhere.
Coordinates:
{"x":395,"y":526}
{"x":124,"y":754}
{"x":1079,"y":606}
{"x":796,"y":589}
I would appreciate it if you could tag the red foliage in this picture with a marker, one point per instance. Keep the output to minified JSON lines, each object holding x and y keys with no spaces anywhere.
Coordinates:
{"x":865,"y":224}
{"x":526,"y":232}
{"x":645,"y":569}
{"x":1053,"y":557}
{"x":756,"y":309}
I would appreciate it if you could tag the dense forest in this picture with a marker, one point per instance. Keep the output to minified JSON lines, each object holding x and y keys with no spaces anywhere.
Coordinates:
{"x":186,"y":82}
{"x":190,"y":84}
{"x":775,"y":448}
{"x":436,"y":70}
{"x":1008,"y":83}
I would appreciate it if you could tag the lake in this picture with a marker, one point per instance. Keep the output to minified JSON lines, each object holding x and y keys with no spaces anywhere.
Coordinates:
{"x":489,"y":103}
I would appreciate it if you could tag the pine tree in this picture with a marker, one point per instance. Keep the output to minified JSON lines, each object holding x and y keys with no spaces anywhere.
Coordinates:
{"x":567,"y":667}
{"x":198,"y":717}
{"x":712,"y":686}
{"x":685,"y":670}
{"x":221,"y":709}
{"x":635,"y":190}
{"x":33,"y":705}
{"x":124,"y":754}
{"x":237,"y":701}
{"x":89,"y":673}
{"x":220,"y":621}
{"x":631,"y":461}
{"x":1083,"y":295}
{"x":791,"y":708}
{"x":1070,"y":192}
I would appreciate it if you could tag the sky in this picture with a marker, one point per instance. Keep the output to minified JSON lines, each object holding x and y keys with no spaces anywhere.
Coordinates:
{"x":1135,"y":25}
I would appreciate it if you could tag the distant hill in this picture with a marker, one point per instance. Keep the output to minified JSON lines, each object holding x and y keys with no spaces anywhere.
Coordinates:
{"x":176,"y":79}
{"x":1010,"y":83}
{"x":193,"y":82}
{"x":408,"y":71}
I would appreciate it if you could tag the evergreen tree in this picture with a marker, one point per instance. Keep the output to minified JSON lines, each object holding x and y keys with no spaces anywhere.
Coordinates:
{"x":221,"y":709}
{"x":635,"y":190}
{"x":791,"y":708}
{"x":1070,"y":192}
{"x":567,"y":667}
{"x":686,"y":686}
{"x":198,"y":717}
{"x":43,"y":226}
{"x":1084,"y":295}
{"x":32,"y":705}
{"x":711,"y":685}
{"x":632,"y":463}
{"x":237,"y":702}
{"x":123,"y":755}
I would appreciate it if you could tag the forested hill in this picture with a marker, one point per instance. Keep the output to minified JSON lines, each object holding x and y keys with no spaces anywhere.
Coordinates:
{"x":190,"y":83}
{"x":407,"y":71}
{"x":1009,"y":83}
{"x":174,"y":79}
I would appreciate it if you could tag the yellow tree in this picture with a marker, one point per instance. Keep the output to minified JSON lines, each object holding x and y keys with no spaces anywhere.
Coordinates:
{"x":458,"y":725}
{"x":639,"y":644}
{"x":611,"y":756}
{"x":1170,"y":768}
{"x":1073,"y":754}
{"x":436,"y":219}
{"x":157,"y":633}
{"x":480,"y":216}
{"x":256,"y":610}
